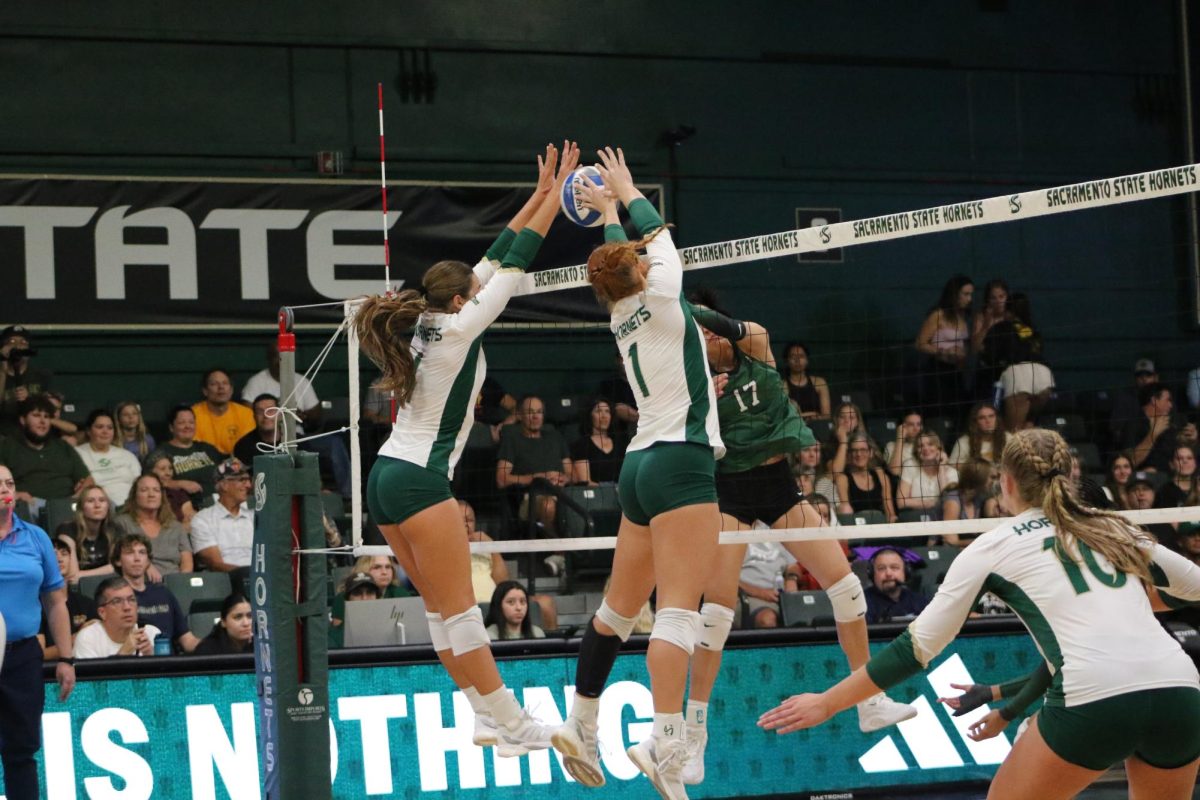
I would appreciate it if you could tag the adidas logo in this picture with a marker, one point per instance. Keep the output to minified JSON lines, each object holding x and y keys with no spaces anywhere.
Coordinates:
{"x":928,"y":735}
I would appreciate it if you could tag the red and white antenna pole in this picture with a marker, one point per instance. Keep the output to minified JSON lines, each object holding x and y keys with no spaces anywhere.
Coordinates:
{"x":387,"y":256}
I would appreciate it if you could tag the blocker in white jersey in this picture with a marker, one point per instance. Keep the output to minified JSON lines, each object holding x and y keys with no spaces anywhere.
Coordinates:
{"x":664,"y":355}
{"x":432,"y":428}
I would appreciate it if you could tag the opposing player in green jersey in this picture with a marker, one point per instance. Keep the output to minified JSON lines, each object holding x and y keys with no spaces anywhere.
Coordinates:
{"x":428,"y":345}
{"x":760,"y":427}
{"x":1121,"y":688}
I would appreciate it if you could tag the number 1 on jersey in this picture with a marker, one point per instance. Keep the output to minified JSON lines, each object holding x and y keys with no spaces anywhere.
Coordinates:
{"x":637,"y":370}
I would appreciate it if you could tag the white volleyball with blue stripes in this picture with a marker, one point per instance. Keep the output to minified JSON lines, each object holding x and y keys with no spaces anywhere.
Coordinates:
{"x":572,"y":203}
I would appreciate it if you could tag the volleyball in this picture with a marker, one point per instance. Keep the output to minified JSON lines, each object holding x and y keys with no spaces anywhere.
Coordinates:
{"x":572,"y":203}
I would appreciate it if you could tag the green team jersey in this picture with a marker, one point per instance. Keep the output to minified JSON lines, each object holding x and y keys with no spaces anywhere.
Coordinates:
{"x":757,"y":419}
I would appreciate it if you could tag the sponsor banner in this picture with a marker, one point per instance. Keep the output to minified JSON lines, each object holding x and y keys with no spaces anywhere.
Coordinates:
{"x":403,"y":732}
{"x":121,"y":252}
{"x":827,"y":238}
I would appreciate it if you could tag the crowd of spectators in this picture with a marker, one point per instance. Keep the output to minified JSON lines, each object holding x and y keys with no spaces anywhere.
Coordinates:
{"x":143,"y":507}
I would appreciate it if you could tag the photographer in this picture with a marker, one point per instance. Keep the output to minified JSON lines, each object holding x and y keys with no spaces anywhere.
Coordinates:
{"x":18,"y":381}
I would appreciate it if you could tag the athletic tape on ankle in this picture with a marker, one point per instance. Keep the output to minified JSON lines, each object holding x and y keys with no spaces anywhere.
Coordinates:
{"x":677,"y":626}
{"x":622,"y":626}
{"x":466,"y":631}
{"x":715,"y":622}
{"x":848,"y":599}
{"x":437,"y":631}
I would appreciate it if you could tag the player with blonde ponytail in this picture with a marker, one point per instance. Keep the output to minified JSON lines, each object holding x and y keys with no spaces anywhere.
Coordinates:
{"x":1121,"y":688}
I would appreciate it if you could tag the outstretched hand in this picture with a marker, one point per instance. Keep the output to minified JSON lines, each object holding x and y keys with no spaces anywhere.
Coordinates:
{"x":570,"y":160}
{"x":987,"y":727}
{"x":974,"y":695}
{"x":798,"y":712}
{"x":546,"y":164}
{"x":615,"y":174}
{"x":597,"y":198}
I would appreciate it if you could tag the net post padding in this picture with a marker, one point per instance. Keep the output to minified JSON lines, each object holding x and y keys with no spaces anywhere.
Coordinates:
{"x":290,"y":628}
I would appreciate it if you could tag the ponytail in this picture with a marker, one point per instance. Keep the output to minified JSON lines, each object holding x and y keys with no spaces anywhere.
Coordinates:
{"x":612,"y":269}
{"x":383,"y":324}
{"x":1040,"y":462}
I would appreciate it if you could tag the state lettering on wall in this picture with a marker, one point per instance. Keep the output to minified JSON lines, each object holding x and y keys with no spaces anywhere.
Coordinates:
{"x":819,"y":218}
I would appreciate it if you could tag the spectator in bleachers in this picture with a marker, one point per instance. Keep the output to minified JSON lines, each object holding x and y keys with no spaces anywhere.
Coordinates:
{"x":1189,"y":541}
{"x":625,"y":407}
{"x":943,"y":340}
{"x":530,"y":451}
{"x":357,"y":586}
{"x":1025,"y":380}
{"x":596,"y":457}
{"x":330,"y":449}
{"x":1116,"y":484}
{"x":760,"y":581}
{"x":985,"y":437}
{"x":193,"y":463}
{"x":1182,"y":489}
{"x":265,"y":425}
{"x":970,"y":498}
{"x":220,"y":421}
{"x":44,"y":468}
{"x":808,"y":392}
{"x":864,"y":485}
{"x":178,"y":499}
{"x":494,"y":406}
{"x":1150,"y":437}
{"x":80,"y":608}
{"x":234,"y":631}
{"x":1141,"y":492}
{"x":61,"y":427}
{"x":888,"y":596}
{"x":995,"y":310}
{"x":19,"y":381}
{"x":824,"y":507}
{"x":487,"y":569}
{"x":155,"y":603}
{"x":508,"y":614}
{"x":847,"y":422}
{"x":223,"y":533}
{"x":117,"y":633}
{"x":812,"y":476}
{"x":112,"y":467}
{"x":92,"y":530}
{"x":133,"y":435}
{"x":382,"y":570}
{"x":898,"y":454}
{"x":1127,"y":405}
{"x":921,"y":486}
{"x":147,"y":512}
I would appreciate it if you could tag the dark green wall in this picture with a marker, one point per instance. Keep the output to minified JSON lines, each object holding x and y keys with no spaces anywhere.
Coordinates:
{"x":868,"y":108}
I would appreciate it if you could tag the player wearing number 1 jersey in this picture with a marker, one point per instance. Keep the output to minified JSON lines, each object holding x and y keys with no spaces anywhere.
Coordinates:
{"x":670,"y":522}
{"x":760,"y":426}
{"x":1121,"y":689}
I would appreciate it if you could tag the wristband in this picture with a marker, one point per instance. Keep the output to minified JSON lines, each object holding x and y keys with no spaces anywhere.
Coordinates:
{"x":973,"y":698}
{"x":70,"y":662}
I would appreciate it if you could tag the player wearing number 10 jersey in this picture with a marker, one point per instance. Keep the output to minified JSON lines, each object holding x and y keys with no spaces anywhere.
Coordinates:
{"x":1122,"y":689}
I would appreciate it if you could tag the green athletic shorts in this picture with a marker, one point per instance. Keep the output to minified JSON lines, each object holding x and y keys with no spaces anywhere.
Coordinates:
{"x":1159,"y":726}
{"x":666,"y":476}
{"x":398,"y":489}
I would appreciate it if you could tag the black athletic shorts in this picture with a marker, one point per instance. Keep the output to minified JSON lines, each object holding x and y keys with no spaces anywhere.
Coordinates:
{"x":764,"y":493}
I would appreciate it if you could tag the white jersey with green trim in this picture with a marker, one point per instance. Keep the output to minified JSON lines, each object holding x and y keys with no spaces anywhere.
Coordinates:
{"x":1092,"y":624}
{"x":432,"y":428}
{"x":665,"y":359}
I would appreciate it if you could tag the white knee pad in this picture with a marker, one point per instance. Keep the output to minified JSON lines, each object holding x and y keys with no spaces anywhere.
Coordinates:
{"x":437,"y":631}
{"x":466,"y":632}
{"x":677,"y":626}
{"x":622,"y":626}
{"x":847,"y":598}
{"x":715,"y":622}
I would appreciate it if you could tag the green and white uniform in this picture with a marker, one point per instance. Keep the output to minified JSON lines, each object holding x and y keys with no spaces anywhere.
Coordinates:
{"x":756,"y":418}
{"x":1092,"y":624}
{"x":432,"y":428}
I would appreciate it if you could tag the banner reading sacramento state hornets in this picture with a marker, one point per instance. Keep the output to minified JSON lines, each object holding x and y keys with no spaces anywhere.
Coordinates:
{"x":95,"y":252}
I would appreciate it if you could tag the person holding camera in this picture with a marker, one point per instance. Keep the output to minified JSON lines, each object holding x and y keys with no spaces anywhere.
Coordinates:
{"x":18,"y":381}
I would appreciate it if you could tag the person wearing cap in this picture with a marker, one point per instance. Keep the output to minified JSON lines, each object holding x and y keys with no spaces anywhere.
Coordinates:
{"x":1125,"y":406}
{"x":1189,"y":541}
{"x":219,"y":420}
{"x":18,"y":380}
{"x":223,"y":533}
{"x":359,"y":585}
{"x":1141,"y":491}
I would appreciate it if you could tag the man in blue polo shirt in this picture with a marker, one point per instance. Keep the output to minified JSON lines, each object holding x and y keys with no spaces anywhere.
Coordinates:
{"x":28,"y":574}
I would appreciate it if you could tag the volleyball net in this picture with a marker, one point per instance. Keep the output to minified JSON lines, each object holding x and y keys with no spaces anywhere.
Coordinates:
{"x":880,"y":379}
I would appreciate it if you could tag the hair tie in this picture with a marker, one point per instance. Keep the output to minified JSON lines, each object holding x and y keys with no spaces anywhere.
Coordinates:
{"x":1054,"y":472}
